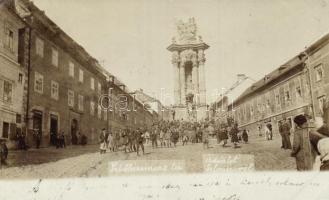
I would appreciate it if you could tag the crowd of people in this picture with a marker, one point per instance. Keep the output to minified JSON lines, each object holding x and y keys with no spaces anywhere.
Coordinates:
{"x":167,"y":134}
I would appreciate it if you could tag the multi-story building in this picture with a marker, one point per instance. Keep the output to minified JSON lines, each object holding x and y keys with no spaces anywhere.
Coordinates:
{"x":283,"y":93}
{"x":126,"y":110}
{"x":317,"y":60}
{"x":12,"y":72}
{"x":154,"y":104}
{"x":64,"y":85}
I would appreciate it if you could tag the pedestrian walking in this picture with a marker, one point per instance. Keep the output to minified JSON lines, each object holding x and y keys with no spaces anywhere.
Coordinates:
{"x":37,"y":137}
{"x":147,"y":137}
{"x":102,"y":140}
{"x":268,"y":131}
{"x":3,"y":151}
{"x":154,"y":135}
{"x":234,"y":135}
{"x":205,"y":136}
{"x":140,"y":137}
{"x":286,"y":134}
{"x":110,"y":142}
{"x":245,"y":136}
{"x":162,"y":143}
{"x":174,"y":136}
{"x":167,"y":137}
{"x":224,"y":135}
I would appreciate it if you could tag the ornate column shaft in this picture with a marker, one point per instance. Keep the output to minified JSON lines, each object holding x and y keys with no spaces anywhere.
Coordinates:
{"x":175,"y":62}
{"x":195,"y":81}
{"x":182,"y":82}
{"x":202,"y":85}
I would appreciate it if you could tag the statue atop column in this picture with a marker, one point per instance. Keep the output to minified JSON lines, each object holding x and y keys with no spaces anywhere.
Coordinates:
{"x":188,"y":61}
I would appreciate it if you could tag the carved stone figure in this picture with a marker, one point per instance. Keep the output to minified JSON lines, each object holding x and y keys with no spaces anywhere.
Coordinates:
{"x":187,"y":31}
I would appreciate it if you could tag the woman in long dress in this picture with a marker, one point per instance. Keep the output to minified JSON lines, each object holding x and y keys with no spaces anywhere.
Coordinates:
{"x":103,"y":141}
{"x":110,"y":142}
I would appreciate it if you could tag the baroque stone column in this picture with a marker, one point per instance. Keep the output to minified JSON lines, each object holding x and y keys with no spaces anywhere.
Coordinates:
{"x":202,"y":85}
{"x":182,"y":82}
{"x":175,"y":62}
{"x":195,"y":80}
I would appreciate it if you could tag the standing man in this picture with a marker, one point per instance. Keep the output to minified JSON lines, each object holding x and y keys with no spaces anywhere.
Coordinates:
{"x":283,"y":143}
{"x":286,"y":134}
{"x":139,"y":140}
{"x":154,"y":137}
{"x":3,"y":151}
{"x":103,"y":139}
{"x":37,"y":136}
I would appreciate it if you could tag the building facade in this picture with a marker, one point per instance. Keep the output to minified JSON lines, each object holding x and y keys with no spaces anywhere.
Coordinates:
{"x":153,"y":105}
{"x":12,"y":72}
{"x":65,"y":84}
{"x":317,"y":59}
{"x":283,"y":93}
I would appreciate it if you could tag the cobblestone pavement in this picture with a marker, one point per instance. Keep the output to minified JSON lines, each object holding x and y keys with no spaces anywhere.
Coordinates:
{"x":85,"y":162}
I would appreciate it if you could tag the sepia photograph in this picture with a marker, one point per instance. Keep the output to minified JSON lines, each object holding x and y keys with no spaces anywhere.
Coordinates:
{"x":150,"y":91}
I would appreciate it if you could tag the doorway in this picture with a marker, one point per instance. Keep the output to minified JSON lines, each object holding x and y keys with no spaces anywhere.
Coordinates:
{"x":74,"y":129}
{"x":5,"y":129}
{"x":37,"y":121}
{"x":53,"y":129}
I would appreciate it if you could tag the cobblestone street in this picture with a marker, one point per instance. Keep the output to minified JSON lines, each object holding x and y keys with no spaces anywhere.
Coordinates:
{"x":86,"y":162}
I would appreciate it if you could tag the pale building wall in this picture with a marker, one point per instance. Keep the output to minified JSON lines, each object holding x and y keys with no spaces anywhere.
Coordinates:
{"x":10,"y":71}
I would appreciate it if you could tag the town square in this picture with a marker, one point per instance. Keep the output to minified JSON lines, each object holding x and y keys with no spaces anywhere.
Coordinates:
{"x":130,"y":82}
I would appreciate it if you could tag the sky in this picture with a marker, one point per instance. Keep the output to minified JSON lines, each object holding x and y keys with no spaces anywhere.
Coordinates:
{"x":130,"y":37}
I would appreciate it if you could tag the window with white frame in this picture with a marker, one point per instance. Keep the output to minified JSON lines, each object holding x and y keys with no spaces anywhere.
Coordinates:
{"x":287,"y":96}
{"x":39,"y":46}
{"x":92,"y":83}
{"x":9,"y":39}
{"x":251,"y":109}
{"x":7,"y":91}
{"x":70,"y":98}
{"x":81,"y":75}
{"x":71,"y":69}
{"x":318,"y":72}
{"x":54,"y":90}
{"x":321,"y":101}
{"x":80,"y":102}
{"x":99,"y":111}
{"x":92,"y":108}
{"x":277,"y":98}
{"x":38,"y":82}
{"x":54,"y":57}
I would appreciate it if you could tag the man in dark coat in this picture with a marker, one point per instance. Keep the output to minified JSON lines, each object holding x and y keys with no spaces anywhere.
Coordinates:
{"x":245,"y":136}
{"x":234,"y":135}
{"x":3,"y":151}
{"x":139,"y":140}
{"x":285,"y":133}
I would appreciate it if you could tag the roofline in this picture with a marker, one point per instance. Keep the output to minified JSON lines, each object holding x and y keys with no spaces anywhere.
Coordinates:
{"x":243,"y":96}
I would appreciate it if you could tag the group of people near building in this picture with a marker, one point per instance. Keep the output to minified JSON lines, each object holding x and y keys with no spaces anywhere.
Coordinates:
{"x":130,"y":140}
{"x":167,"y":134}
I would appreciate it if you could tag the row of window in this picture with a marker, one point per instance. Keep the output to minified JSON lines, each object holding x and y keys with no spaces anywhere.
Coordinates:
{"x":264,"y":103}
{"x":54,"y":61}
{"x":38,"y":87}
